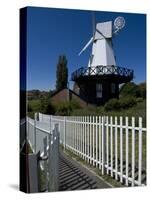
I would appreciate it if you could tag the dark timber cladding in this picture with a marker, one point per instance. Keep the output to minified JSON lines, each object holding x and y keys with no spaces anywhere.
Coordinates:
{"x":98,"y":84}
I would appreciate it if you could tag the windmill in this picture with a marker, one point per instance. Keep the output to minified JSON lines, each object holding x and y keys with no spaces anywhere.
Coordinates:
{"x":102,"y":51}
{"x":99,"y":81}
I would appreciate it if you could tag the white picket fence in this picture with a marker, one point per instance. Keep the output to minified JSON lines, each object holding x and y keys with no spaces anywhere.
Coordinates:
{"x":112,"y":144}
{"x":45,"y":139}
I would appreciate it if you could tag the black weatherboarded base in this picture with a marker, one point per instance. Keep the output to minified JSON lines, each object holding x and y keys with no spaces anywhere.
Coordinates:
{"x":72,"y":176}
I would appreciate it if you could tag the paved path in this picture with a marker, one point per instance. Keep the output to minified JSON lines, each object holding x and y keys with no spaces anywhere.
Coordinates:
{"x":73,"y":176}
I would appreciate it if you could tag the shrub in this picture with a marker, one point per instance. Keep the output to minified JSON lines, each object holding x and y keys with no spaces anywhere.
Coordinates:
{"x":130,"y":89}
{"x":112,"y":104}
{"x":127,"y":102}
{"x":65,"y":108}
{"x":118,"y":104}
{"x":139,"y":99}
{"x":74,"y":104}
{"x":34,"y":105}
{"x":46,"y":107}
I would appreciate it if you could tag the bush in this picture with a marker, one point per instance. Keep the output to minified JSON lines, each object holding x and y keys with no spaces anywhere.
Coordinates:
{"x":118,"y":104}
{"x":46,"y":107}
{"x":139,"y":99}
{"x":127,"y":102}
{"x":42,"y":105}
{"x":33,"y":105}
{"x":74,"y":104}
{"x":130,"y":89}
{"x":112,"y":104}
{"x":65,"y":108}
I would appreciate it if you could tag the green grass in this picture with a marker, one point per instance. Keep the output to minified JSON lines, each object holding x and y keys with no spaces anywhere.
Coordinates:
{"x":136,"y":111}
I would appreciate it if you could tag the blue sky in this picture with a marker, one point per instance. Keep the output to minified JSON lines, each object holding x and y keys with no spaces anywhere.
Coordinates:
{"x":53,"y":32}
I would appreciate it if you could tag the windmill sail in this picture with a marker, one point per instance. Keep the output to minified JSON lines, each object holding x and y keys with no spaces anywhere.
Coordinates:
{"x":85,"y":47}
{"x":92,"y":38}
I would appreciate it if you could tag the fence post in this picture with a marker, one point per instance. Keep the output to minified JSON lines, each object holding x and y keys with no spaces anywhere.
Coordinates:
{"x":45,"y":162}
{"x":64,"y":133}
{"x":140,"y":151}
{"x":90,"y":140}
{"x":35,"y":117}
{"x":116,"y":149}
{"x":27,"y":122}
{"x":121,"y":150}
{"x":85,"y":132}
{"x":96,"y":142}
{"x":93,"y":138}
{"x":103,"y":144}
{"x":133,"y":150}
{"x":50,"y":163}
{"x":56,"y":153}
{"x":127,"y":151}
{"x":107,"y":145}
{"x":50,"y":119}
{"x":111,"y":144}
{"x":75,"y":135}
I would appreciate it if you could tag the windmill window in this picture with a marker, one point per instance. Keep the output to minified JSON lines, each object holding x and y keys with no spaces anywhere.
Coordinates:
{"x":99,"y":90}
{"x":113,"y":88}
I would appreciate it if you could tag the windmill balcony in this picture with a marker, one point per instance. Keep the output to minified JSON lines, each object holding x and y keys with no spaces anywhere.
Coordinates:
{"x":110,"y":73}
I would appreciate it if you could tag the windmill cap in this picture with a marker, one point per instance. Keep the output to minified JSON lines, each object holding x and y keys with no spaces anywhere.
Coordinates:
{"x":103,"y":30}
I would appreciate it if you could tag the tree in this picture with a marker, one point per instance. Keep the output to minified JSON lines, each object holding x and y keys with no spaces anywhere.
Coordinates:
{"x":61,"y":73}
{"x":130,"y":89}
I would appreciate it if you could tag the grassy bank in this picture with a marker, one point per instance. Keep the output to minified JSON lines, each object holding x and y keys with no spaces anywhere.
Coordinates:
{"x":138,"y":110}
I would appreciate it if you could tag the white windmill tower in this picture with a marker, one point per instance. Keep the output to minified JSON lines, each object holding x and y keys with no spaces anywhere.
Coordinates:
{"x":102,"y":50}
{"x":99,"y":81}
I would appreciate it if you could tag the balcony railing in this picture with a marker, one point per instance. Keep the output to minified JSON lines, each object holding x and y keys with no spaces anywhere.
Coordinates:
{"x":102,"y":70}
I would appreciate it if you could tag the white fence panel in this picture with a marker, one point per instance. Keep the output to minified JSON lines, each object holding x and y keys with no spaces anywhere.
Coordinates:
{"x":39,"y":133}
{"x":105,"y":142}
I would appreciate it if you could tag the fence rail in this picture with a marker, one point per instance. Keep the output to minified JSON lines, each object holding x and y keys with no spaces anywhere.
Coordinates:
{"x":117,"y":146}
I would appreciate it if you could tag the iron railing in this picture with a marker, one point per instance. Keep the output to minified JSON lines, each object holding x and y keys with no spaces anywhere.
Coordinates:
{"x":102,"y":70}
